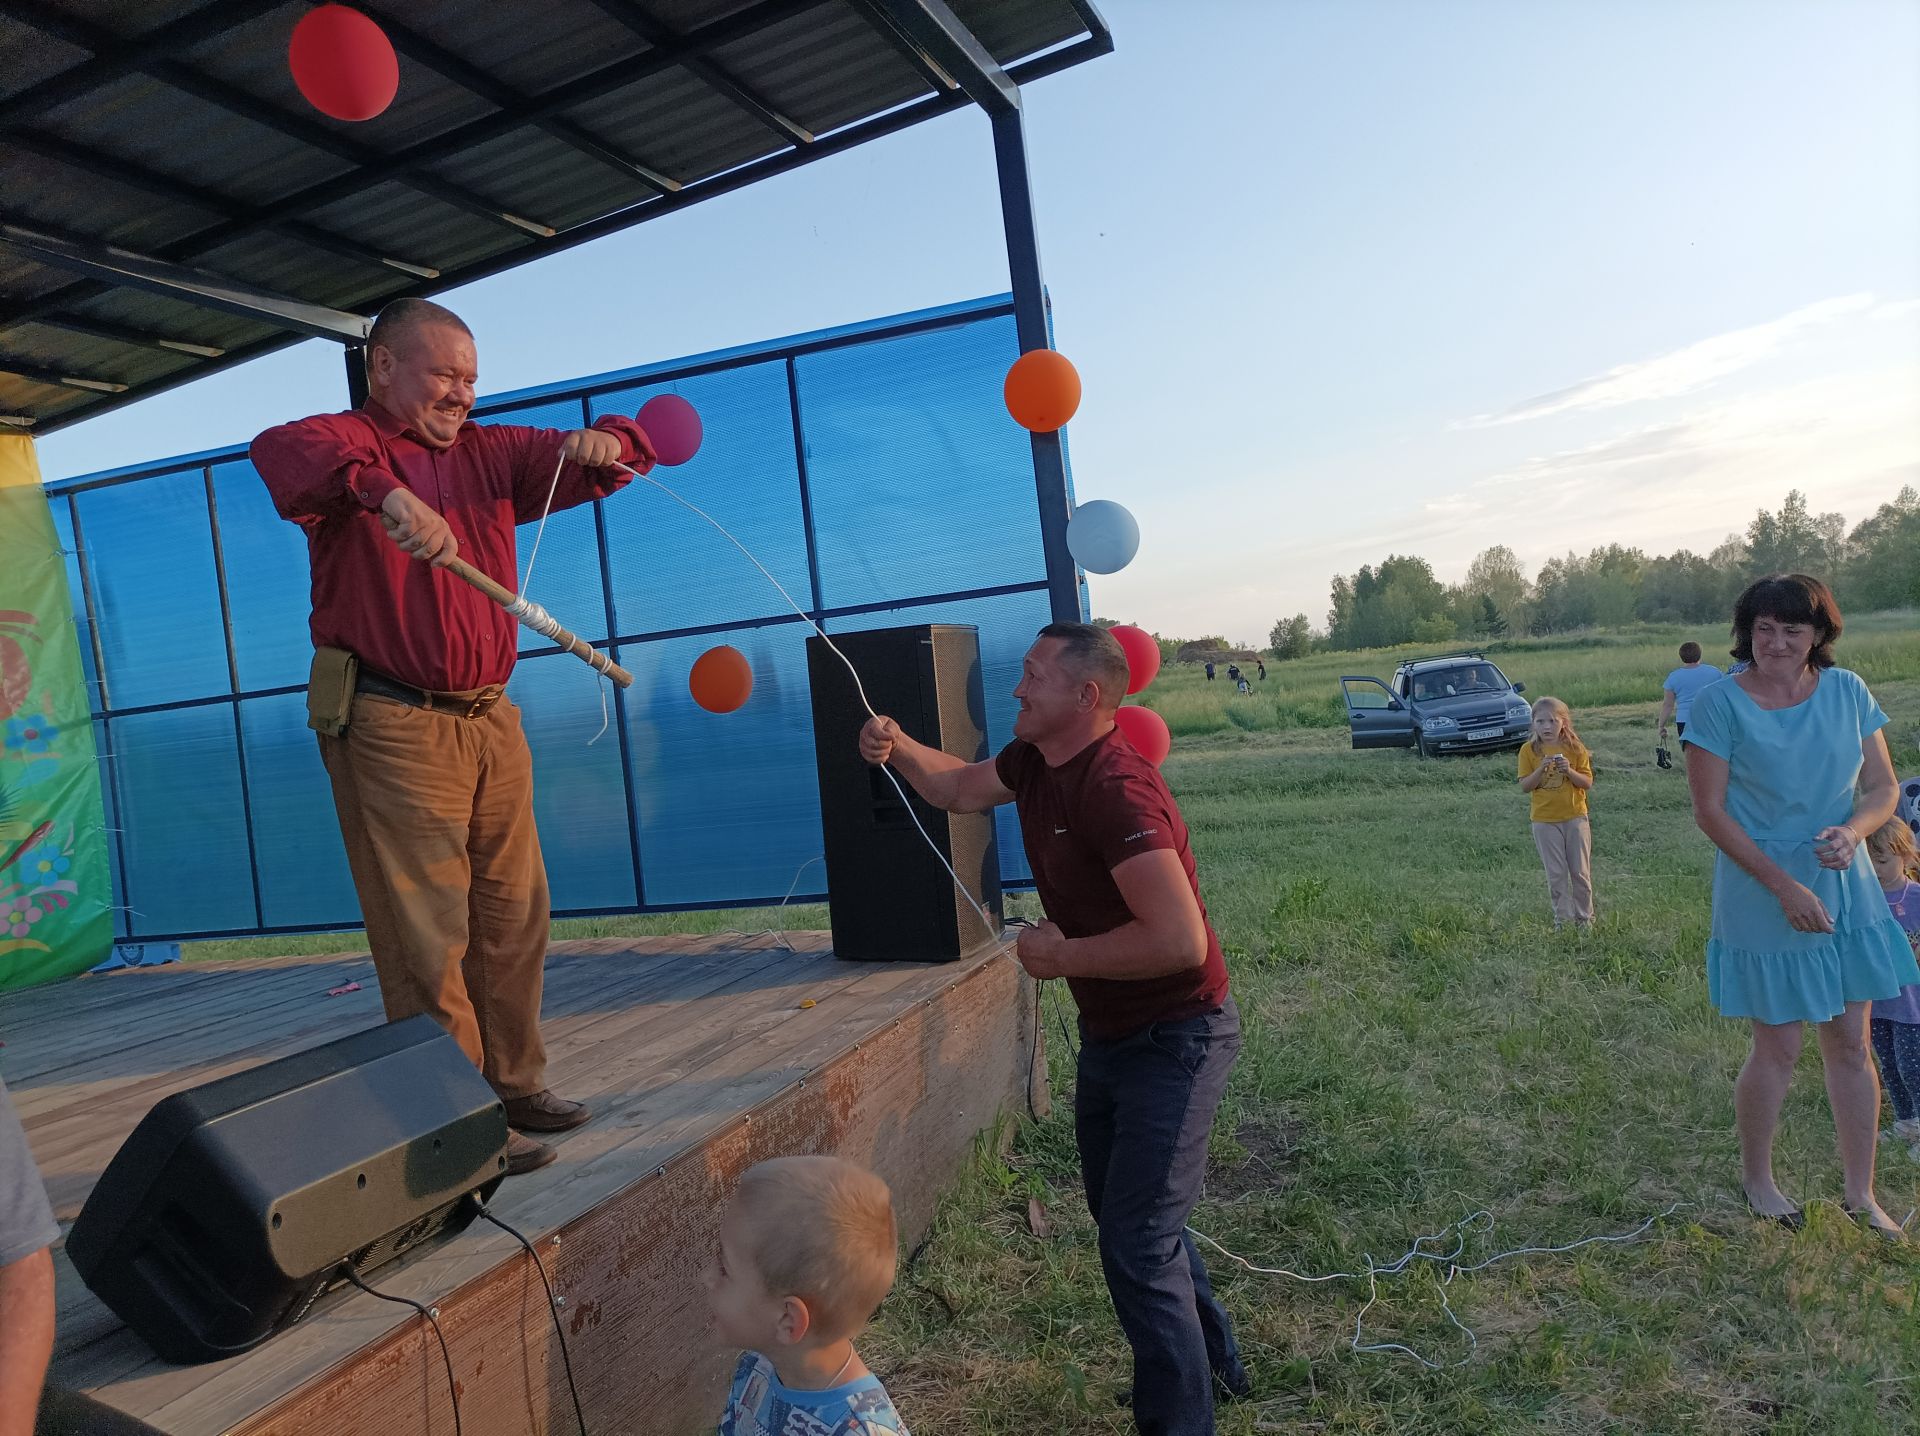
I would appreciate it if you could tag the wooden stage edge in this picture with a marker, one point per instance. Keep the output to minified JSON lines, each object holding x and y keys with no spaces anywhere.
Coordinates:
{"x":699,"y":1055}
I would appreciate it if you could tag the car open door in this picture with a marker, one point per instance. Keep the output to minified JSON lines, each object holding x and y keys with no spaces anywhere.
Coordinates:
{"x":1375,"y":717}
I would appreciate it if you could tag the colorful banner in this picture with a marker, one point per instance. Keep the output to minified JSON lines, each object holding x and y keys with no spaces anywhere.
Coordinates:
{"x":56,"y":904}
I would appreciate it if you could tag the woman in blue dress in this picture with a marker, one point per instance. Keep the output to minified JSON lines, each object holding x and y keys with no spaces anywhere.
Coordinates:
{"x":1800,"y":932}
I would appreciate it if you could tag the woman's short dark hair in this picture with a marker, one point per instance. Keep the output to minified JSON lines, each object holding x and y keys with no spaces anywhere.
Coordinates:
{"x":1689,"y":652}
{"x":1788,"y":598}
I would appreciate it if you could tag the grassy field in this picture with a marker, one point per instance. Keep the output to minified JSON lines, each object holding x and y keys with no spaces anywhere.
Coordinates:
{"x":1420,"y":1045}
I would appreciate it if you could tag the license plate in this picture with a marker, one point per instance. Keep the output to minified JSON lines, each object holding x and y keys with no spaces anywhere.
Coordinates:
{"x":1483,"y":735}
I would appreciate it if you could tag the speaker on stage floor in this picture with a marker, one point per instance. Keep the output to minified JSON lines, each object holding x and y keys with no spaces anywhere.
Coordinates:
{"x":891,"y":899}
{"x":233,"y":1206}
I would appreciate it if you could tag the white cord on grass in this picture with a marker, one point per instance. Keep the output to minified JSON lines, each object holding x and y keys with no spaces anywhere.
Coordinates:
{"x":1473,"y":1222}
{"x":993,"y":931}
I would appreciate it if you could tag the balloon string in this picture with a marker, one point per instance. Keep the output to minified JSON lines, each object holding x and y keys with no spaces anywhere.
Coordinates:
{"x":545,"y":509}
{"x":993,"y":931}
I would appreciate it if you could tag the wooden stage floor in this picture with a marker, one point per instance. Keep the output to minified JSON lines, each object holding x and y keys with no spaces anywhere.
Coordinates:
{"x":699,"y":1057}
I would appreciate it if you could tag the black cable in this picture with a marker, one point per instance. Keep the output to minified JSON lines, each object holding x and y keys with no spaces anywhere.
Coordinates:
{"x":433,"y":1320}
{"x":553,"y":1307}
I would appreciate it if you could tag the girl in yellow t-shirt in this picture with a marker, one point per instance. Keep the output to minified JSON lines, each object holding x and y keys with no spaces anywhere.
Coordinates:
{"x":1557,"y":769}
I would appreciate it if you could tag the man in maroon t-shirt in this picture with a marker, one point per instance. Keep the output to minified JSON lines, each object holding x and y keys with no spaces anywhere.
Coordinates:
{"x":1128,"y":932}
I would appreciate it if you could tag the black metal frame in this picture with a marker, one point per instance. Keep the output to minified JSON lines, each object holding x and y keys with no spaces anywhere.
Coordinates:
{"x":106,"y":714}
{"x":965,"y":74}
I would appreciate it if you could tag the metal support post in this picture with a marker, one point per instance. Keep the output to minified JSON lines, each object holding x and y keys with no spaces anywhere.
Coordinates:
{"x":356,"y":357}
{"x":1030,"y":321}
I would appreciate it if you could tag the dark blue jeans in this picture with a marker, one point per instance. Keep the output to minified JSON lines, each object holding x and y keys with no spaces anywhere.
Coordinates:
{"x":1143,"y":1107}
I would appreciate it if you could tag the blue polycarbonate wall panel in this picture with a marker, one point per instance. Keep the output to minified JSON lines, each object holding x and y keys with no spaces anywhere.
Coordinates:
{"x":150,"y":550}
{"x":921,"y":483}
{"x":110,"y":807}
{"x":729,"y":802}
{"x":267,"y":580}
{"x":83,"y":630}
{"x":304,"y":880}
{"x":178,"y":775}
{"x":670,"y":569}
{"x":579,"y":793}
{"x":915,"y":487}
{"x":1007,"y":624}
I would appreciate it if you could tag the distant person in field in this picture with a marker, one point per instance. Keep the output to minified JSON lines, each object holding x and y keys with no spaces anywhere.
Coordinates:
{"x":1261,"y":664}
{"x":1789,"y":772}
{"x":1128,"y":932}
{"x":1233,"y":672}
{"x":1556,"y":769}
{"x":1676,"y":699}
{"x":1895,"y":1025}
{"x":1209,"y":672}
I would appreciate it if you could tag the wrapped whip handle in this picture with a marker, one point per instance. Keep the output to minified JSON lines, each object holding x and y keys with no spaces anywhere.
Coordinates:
{"x":540,"y":621}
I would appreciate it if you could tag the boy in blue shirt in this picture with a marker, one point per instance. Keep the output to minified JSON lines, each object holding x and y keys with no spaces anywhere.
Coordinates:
{"x":806,"y":1256}
{"x":1682,"y":684}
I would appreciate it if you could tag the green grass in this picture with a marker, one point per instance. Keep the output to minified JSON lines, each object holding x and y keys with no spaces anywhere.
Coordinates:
{"x":1419,"y":1045}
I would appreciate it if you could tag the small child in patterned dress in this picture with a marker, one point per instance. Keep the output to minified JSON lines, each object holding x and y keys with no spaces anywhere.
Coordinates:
{"x":1895,"y":1023}
{"x":806,"y":1255}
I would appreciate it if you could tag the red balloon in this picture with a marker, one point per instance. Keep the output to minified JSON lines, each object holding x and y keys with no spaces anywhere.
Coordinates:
{"x":1042,"y":390}
{"x":1143,"y":655}
{"x":1147,"y":731}
{"x":674,"y":427}
{"x":721,"y":680}
{"x":343,"y":63}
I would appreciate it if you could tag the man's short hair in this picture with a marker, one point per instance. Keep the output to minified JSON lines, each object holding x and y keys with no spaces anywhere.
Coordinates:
{"x":1689,"y":652}
{"x":399,"y":319}
{"x":1095,"y":655}
{"x":822,"y":1229}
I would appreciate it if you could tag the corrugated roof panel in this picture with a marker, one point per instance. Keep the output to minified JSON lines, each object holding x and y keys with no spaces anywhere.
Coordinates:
{"x":28,"y":56}
{"x":63,"y":198}
{"x":42,"y":402}
{"x":543,"y":178}
{"x":679,"y":125}
{"x":399,"y":221}
{"x":89,"y":358}
{"x":156,"y":314}
{"x":253,"y":57}
{"x":156,"y":126}
{"x":823,"y":69}
{"x":1010,"y":31}
{"x":531,"y":49}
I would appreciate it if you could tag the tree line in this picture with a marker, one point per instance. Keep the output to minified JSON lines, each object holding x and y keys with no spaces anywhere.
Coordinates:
{"x":1876,"y":565}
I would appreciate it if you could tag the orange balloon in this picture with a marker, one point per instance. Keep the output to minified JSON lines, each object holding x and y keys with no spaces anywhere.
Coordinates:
{"x":1043,"y":390}
{"x":721,"y":680}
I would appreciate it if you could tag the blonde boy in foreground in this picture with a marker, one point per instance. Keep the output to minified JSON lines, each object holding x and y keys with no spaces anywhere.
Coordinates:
{"x":806,"y":1256}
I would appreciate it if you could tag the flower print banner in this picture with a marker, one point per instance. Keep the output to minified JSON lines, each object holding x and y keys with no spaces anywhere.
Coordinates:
{"x":56,"y":908}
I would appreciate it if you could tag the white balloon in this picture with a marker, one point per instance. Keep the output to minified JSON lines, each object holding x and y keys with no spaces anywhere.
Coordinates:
{"x":1102,"y":536}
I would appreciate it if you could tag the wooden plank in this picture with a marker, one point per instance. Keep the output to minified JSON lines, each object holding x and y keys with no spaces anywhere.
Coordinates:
{"x":669,"y":982}
{"x":908,"y":1102}
{"x":745,"y":1005}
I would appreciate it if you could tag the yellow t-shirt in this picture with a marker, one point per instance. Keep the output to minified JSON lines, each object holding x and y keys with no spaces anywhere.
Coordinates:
{"x":1556,"y":800}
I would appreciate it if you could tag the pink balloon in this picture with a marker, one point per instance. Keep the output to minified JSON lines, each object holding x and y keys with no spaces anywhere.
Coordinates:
{"x":1147,"y":731}
{"x":1143,"y":655}
{"x":674,"y":426}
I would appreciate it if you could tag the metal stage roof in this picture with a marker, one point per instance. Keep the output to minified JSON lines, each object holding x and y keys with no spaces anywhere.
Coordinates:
{"x":170,"y":205}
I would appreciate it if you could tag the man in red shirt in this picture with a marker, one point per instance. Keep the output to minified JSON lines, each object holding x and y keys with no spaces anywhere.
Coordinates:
{"x":431,"y":775}
{"x":1127,"y":930}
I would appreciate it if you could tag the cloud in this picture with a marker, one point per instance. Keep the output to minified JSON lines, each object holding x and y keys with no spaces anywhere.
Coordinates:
{"x":1685,"y":370}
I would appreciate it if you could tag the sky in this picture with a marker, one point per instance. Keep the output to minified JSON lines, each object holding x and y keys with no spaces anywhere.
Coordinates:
{"x":1342,"y":278}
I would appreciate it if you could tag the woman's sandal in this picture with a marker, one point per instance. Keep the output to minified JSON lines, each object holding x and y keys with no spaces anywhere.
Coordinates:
{"x":1793,"y":1221}
{"x":1893,"y":1235}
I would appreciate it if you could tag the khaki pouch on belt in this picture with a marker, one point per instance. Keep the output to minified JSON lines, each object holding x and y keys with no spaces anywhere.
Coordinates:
{"x":330,"y":690}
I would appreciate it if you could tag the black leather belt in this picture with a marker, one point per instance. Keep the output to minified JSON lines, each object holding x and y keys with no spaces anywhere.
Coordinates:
{"x":457,"y":705}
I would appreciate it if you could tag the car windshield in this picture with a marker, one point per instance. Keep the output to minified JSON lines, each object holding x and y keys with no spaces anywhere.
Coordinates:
{"x":1455,"y":682}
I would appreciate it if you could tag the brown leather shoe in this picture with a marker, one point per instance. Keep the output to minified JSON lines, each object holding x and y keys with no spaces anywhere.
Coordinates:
{"x":526,"y":1155}
{"x":543,"y":1112}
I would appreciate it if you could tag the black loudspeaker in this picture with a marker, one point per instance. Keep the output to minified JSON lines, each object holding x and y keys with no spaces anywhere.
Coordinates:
{"x":891,"y":899}
{"x":233,"y":1206}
